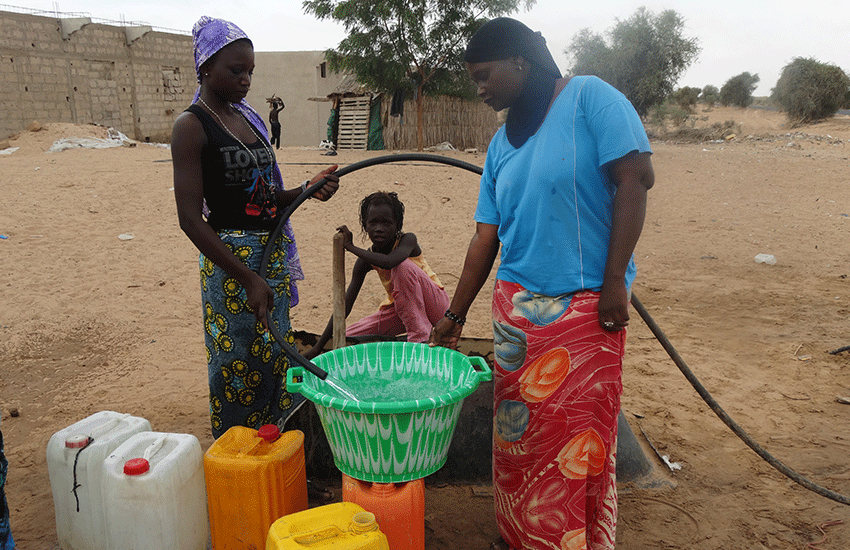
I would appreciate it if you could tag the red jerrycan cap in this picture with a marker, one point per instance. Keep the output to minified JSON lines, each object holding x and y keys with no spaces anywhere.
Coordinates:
{"x":269,"y":432}
{"x":136,"y":466}
{"x":76,"y":441}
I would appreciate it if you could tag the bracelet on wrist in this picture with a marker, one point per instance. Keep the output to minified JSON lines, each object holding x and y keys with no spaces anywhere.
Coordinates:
{"x":455,"y":318}
{"x":304,"y":187}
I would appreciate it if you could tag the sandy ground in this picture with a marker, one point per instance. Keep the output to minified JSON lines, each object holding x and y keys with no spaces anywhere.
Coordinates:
{"x":91,"y":322}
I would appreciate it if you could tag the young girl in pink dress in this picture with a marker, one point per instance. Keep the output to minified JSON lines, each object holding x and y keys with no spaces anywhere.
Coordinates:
{"x":415,"y":297}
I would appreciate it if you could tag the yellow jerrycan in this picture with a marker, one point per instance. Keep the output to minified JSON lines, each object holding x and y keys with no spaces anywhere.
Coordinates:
{"x":339,"y":526}
{"x":253,"y":477}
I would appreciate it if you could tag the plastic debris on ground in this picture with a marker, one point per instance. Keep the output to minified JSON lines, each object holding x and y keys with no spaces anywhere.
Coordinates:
{"x":116,"y":139}
{"x":768,"y":259}
{"x":444,"y":146}
{"x":671,"y":465}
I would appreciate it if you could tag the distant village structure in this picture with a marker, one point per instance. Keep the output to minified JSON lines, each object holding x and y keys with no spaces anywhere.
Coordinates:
{"x":73,"y":70}
{"x":58,"y":67}
{"x":295,"y":77}
{"x":136,"y":79}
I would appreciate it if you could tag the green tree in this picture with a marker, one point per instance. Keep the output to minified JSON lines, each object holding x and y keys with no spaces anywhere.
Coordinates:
{"x":710,"y":95}
{"x":410,"y":45}
{"x":644,"y":58}
{"x":686,"y":97}
{"x":738,"y":90}
{"x":808,"y":90}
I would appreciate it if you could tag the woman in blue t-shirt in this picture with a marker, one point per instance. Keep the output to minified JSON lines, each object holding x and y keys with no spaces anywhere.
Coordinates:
{"x":563,"y":194}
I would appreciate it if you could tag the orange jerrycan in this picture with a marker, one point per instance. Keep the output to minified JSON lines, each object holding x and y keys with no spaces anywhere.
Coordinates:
{"x":398,"y":507}
{"x":253,"y":477}
{"x":339,"y":526}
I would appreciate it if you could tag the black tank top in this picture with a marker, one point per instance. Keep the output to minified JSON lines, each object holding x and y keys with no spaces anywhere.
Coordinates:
{"x":238,"y":195}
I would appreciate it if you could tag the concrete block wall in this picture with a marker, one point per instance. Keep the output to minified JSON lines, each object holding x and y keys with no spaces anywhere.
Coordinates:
{"x":135,"y":80}
{"x":165,"y":81}
{"x":31,"y":86}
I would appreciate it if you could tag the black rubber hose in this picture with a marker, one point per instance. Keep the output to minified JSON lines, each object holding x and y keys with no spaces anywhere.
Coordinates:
{"x":644,"y":314}
{"x":718,"y":410}
{"x":270,"y":245}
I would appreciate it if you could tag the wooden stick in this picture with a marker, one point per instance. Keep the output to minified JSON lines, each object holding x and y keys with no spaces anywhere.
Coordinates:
{"x":339,"y":291}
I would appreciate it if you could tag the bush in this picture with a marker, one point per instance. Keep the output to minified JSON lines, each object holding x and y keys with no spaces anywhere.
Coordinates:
{"x":668,"y":111}
{"x":738,"y":90}
{"x":808,"y":90}
{"x":710,"y":95}
{"x":716,"y":131}
{"x":686,"y":98}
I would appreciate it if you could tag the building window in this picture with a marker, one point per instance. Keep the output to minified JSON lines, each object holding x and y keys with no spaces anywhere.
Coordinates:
{"x":171,"y":83}
{"x":323,"y":69}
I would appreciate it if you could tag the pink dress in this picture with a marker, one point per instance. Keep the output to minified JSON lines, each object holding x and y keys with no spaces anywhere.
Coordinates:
{"x":415,"y":302}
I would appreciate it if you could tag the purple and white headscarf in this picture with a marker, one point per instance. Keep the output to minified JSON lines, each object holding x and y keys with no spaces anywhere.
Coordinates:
{"x":209,"y":35}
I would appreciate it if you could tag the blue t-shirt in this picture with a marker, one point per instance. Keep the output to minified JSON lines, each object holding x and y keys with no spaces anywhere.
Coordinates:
{"x":552,"y":198}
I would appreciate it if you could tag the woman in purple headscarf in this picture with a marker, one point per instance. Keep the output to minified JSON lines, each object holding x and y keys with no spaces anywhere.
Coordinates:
{"x":229,"y":197}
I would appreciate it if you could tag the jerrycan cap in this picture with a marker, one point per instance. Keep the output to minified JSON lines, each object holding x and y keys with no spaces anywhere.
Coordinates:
{"x":136,"y":466}
{"x":269,"y":432}
{"x":77,"y":441}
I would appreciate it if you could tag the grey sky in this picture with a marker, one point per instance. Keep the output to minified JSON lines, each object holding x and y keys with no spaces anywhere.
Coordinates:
{"x":757,"y":36}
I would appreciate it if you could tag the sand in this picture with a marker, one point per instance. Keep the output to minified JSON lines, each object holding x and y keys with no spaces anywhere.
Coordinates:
{"x":92,"y":322}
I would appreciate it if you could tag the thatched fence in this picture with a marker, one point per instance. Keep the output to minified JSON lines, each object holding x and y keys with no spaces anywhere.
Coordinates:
{"x":465,"y":124}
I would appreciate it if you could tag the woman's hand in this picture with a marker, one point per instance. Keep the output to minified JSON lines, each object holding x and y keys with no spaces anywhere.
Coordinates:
{"x":331,"y":185}
{"x":348,"y":238}
{"x":260,"y":298}
{"x":445,"y":333}
{"x":614,"y":307}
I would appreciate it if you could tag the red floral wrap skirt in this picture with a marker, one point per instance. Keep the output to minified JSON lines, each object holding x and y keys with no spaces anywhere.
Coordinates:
{"x":557,"y":396}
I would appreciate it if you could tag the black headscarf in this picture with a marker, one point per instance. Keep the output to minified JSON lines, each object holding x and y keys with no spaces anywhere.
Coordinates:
{"x":502,"y":38}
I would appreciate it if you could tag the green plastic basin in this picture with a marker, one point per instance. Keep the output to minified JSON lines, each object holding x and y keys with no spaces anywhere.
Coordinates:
{"x":410,"y":397}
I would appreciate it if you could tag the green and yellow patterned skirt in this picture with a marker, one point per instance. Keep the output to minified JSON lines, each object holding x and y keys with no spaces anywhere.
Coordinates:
{"x":247,"y":368}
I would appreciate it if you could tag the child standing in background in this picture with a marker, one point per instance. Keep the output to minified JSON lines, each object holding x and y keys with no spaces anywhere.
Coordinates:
{"x":415,"y":297}
{"x":276,"y":106}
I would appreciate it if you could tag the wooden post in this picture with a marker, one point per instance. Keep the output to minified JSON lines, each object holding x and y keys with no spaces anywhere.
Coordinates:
{"x":339,"y":291}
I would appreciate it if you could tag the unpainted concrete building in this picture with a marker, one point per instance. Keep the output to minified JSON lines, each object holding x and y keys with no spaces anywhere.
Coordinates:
{"x":136,"y":79}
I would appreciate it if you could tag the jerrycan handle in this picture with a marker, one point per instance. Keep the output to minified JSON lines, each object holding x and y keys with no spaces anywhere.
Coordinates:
{"x":314,"y":537}
{"x":106,"y":426}
{"x":265,"y":436}
{"x":154,"y":447}
{"x":251,"y":447}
